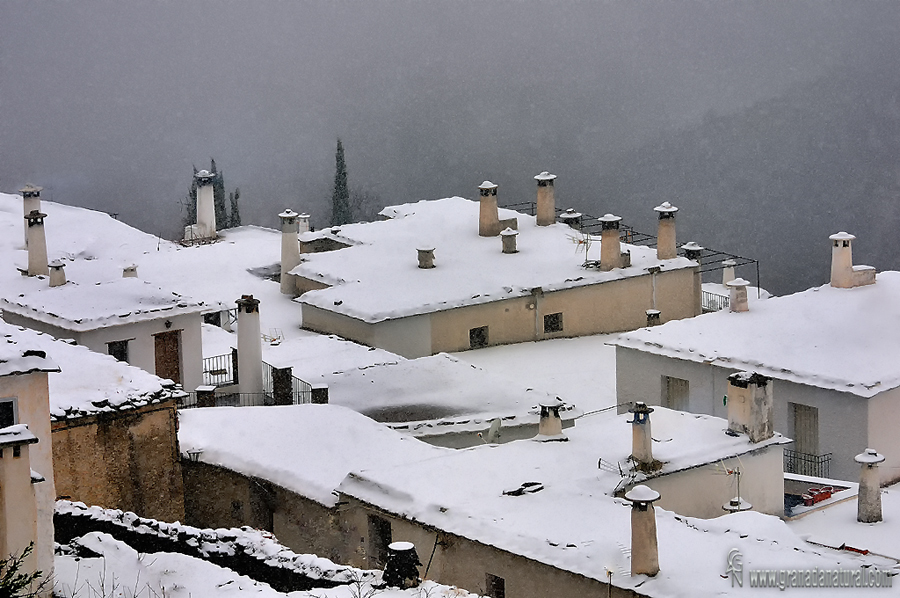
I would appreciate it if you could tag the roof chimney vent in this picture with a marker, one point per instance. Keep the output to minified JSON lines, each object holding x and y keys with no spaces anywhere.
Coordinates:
{"x":249,"y":347}
{"x":31,"y":201}
{"x":572,"y":218}
{"x":666,"y":249}
{"x":57,"y":273}
{"x":426,"y":257}
{"x":750,"y":406}
{"x":738,"y":299}
{"x":844,"y":275}
{"x":37,"y":244}
{"x":728,"y":271}
{"x":550,"y":425}
{"x":129,"y":271}
{"x":509,"y":240}
{"x":644,"y":547}
{"x":610,"y":246}
{"x":290,"y":249}
{"x":868,"y":506}
{"x":641,"y":440}
{"x":206,"y":211}
{"x":546,"y":203}
{"x":489,"y":215}
{"x":653,"y":317}
{"x":693,"y":251}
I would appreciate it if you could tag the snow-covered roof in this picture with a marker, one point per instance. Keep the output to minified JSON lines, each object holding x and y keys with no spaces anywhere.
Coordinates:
{"x":378,"y":278}
{"x":265,"y":442}
{"x":16,"y":434}
{"x":87,"y":382}
{"x":839,"y":339}
{"x":20,"y":354}
{"x":81,"y":307}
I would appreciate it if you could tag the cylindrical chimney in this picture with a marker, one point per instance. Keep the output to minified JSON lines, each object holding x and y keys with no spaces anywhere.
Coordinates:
{"x":290,"y":248}
{"x":644,"y":547}
{"x":303,"y":223}
{"x":402,"y":567}
{"x":426,"y":257}
{"x":37,"y":244}
{"x":610,"y":246}
{"x":57,"y":273}
{"x":842,"y":260}
{"x":868,"y":506}
{"x":641,"y":438}
{"x":666,"y":249}
{"x":572,"y":218}
{"x":546,"y":203}
{"x":653,"y":317}
{"x":550,"y":424}
{"x":249,"y":346}
{"x":751,"y":406}
{"x":31,"y":201}
{"x":129,"y":271}
{"x":728,"y":271}
{"x":489,"y":214}
{"x":508,"y":236}
{"x":206,"y":208}
{"x":693,"y":251}
{"x":738,"y":300}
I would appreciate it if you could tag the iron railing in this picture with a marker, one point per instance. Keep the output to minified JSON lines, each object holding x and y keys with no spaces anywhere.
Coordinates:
{"x":713,"y":302}
{"x":818,"y":466}
{"x":220,"y":370}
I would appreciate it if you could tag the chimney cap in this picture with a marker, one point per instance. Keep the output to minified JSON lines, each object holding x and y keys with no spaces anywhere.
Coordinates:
{"x":29,"y":188}
{"x":609,"y":218}
{"x":729,"y":263}
{"x":642,"y":494}
{"x":56,"y":264}
{"x":508,"y":232}
{"x":545,"y":176}
{"x":870,"y":457}
{"x":666,"y":208}
{"x":33,"y":214}
{"x":487,"y":185}
{"x":569,"y":214}
{"x":692,"y":246}
{"x":304,"y":215}
{"x":288,"y":213}
{"x":738,"y":282}
{"x":842,"y":236}
{"x":425,"y":248}
{"x":652,"y":312}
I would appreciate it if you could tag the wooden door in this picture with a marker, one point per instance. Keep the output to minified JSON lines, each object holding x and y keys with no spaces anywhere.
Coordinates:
{"x":168,"y":355}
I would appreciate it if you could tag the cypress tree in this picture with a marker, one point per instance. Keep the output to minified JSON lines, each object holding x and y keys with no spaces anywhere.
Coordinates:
{"x":340,"y":198}
{"x":219,"y":196}
{"x":189,"y":203}
{"x":235,"y":210}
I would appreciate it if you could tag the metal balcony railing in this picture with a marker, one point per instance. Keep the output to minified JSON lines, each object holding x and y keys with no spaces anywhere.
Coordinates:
{"x":818,"y":466}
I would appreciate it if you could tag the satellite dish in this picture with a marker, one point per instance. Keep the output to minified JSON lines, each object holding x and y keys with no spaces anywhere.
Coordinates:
{"x":493,"y":434}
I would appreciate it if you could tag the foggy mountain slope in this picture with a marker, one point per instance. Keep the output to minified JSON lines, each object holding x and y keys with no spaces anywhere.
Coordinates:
{"x":773,"y":181}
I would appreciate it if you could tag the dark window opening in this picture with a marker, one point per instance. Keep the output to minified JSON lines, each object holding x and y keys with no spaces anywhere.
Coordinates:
{"x":17,"y":451}
{"x":553,"y":323}
{"x":478,"y":337}
{"x":213,"y":317}
{"x":118,"y":349}
{"x":495,"y":587}
{"x":379,"y":539}
{"x":7,"y":412}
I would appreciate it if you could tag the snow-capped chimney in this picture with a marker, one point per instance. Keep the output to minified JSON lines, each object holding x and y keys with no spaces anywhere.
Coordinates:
{"x":653,"y":317}
{"x":31,"y":201}
{"x":546,"y":202}
{"x":572,"y":218}
{"x":728,"y":271}
{"x":426,"y":257}
{"x":550,"y":424}
{"x":129,"y":271}
{"x":641,"y":439}
{"x":844,"y":275}
{"x":666,"y":249}
{"x":610,"y":246}
{"x":249,"y":346}
{"x":37,"y":244}
{"x":693,"y":251}
{"x":750,"y":405}
{"x":644,"y":547}
{"x":489,"y":214}
{"x":303,"y":223}
{"x":738,"y":299}
{"x":868,"y":507}
{"x":508,"y":236}
{"x":290,"y":248}
{"x":57,"y":273}
{"x":206,"y":208}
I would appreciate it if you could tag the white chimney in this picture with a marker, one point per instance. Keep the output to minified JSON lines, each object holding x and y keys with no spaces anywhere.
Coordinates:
{"x":290,"y":248}
{"x":249,"y":346}
{"x":129,"y":271}
{"x":728,"y":271}
{"x":738,"y":299}
{"x":546,"y":202}
{"x":426,"y":257}
{"x":844,"y":274}
{"x":550,"y":424}
{"x":750,"y":405}
{"x":508,"y":236}
{"x":303,"y":223}
{"x":644,"y":547}
{"x":610,"y":246}
{"x":37,"y":244}
{"x":489,"y":214}
{"x":666,"y":249}
{"x":31,"y":201}
{"x":868,"y":506}
{"x":641,"y":438}
{"x":57,"y":273}
{"x":206,"y":208}
{"x":572,"y":218}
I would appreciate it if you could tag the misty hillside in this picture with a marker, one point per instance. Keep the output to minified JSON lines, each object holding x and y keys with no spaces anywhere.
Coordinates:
{"x":774,"y":180}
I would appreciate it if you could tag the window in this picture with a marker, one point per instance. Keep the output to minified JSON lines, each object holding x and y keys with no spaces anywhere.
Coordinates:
{"x":118,"y":349}
{"x":494,"y":586}
{"x":379,"y":539}
{"x":805,"y":430}
{"x":478,"y":337}
{"x":675,"y":393}
{"x":9,"y":414}
{"x":213,"y":317}
{"x":17,"y":451}
{"x":553,"y":323}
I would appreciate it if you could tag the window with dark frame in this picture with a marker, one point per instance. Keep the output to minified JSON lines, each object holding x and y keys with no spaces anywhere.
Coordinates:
{"x":8,"y":415}
{"x":379,"y":539}
{"x":478,"y":337}
{"x":553,"y":323}
{"x":17,"y":451}
{"x":495,"y":586}
{"x":118,"y":349}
